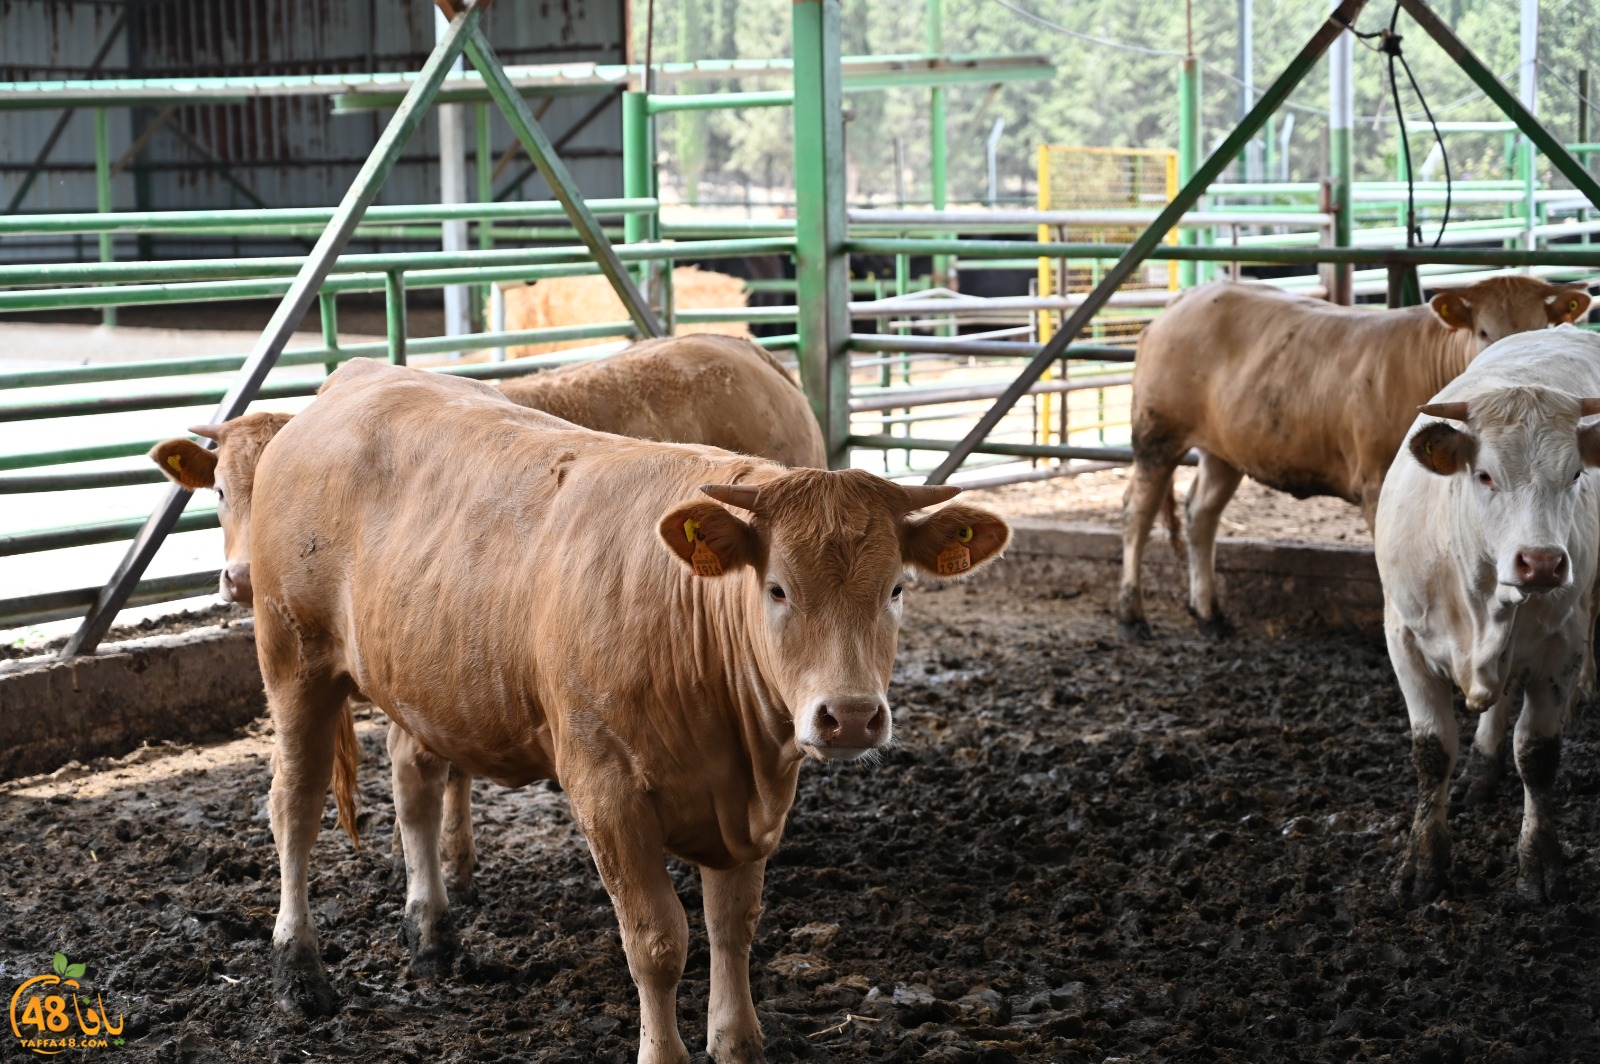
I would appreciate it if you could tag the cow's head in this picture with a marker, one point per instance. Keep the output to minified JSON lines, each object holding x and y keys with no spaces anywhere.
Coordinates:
{"x":823,"y":560}
{"x":230,"y":470}
{"x":1503,"y":306}
{"x":1525,"y":454}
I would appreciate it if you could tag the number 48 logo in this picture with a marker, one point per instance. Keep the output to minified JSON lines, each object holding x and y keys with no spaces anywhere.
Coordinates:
{"x":46,"y":1013}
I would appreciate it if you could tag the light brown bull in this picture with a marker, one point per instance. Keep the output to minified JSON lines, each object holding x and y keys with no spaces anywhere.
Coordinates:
{"x":1302,"y":395}
{"x":667,"y":630}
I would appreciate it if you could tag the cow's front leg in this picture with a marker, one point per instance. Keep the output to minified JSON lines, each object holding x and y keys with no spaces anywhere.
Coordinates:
{"x":419,"y":781}
{"x":1540,"y":878}
{"x":630,"y":854}
{"x":305,"y":715}
{"x":1434,"y":745}
{"x":733,"y":906}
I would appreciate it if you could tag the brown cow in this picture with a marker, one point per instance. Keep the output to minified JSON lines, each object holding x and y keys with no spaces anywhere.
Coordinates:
{"x":716,"y":390}
{"x":666,"y":630}
{"x":1302,"y":395}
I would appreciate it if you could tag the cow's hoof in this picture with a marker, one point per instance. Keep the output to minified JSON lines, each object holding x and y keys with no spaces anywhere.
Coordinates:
{"x":1425,"y":874}
{"x":463,"y":891}
{"x":299,"y":984}
{"x":729,"y":1049}
{"x":1215,"y":625}
{"x":1134,"y":627}
{"x":1540,"y":877}
{"x":432,"y":944}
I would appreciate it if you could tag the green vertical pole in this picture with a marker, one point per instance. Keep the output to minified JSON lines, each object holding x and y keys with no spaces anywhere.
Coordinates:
{"x":485,"y":161}
{"x":328,"y":311}
{"x":1188,"y":150}
{"x":637,"y":167}
{"x":102,"y":195}
{"x":394,"y":313}
{"x":938,"y":147}
{"x":819,"y":187}
{"x":1341,"y":118}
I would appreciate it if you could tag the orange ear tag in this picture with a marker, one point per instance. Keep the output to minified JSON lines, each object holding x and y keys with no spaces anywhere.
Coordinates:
{"x":955,"y":558}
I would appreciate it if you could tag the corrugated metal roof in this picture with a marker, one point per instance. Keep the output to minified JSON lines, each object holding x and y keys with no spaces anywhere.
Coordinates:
{"x":282,"y":152}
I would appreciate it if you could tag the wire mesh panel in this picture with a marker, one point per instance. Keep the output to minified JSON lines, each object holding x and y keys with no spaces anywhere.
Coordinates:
{"x":1074,"y":177}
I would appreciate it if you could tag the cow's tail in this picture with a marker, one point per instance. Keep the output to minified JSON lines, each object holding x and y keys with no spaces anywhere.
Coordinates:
{"x":346,"y":756}
{"x":1169,"y":515}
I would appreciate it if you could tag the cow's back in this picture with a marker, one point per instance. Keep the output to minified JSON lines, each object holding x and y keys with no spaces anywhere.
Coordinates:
{"x":1301,"y":394}
{"x":482,"y":570}
{"x":716,"y":390}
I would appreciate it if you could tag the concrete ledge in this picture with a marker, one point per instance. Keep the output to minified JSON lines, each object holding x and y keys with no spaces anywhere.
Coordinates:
{"x":1262,"y":583}
{"x":200,"y":684}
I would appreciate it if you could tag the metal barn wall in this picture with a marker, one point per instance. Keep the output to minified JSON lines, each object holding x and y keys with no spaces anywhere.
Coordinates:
{"x":277,"y":152}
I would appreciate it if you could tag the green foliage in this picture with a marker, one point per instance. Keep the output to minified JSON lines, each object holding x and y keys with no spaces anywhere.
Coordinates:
{"x":1103,"y":95}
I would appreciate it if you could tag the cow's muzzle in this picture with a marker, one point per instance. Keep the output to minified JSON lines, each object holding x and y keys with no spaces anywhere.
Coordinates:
{"x":844,"y":728}
{"x":1540,"y":569}
{"x":234,"y":586}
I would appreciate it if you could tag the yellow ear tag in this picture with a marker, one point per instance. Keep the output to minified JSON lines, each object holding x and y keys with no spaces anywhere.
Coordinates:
{"x":704,"y":559}
{"x":175,"y":461}
{"x":955,"y":558}
{"x":1443,"y":310}
{"x":1427,"y":448}
{"x":1572,"y":308}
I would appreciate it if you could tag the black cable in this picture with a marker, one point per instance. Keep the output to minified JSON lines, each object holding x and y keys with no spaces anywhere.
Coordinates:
{"x":1390,"y":46}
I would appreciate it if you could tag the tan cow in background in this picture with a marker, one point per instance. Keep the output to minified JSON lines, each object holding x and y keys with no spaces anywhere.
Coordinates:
{"x":667,"y":630}
{"x":1302,"y":395}
{"x":714,"y":390}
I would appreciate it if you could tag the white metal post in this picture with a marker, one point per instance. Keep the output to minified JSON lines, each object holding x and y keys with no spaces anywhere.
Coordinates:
{"x":1528,"y":93}
{"x":453,"y":189}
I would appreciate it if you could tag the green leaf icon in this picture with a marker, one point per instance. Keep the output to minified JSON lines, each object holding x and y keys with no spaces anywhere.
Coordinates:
{"x":61,"y":964}
{"x":75,"y":971}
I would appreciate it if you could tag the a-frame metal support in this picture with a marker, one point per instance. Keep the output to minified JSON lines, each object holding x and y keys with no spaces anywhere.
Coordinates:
{"x":464,"y":35}
{"x":1342,"y":17}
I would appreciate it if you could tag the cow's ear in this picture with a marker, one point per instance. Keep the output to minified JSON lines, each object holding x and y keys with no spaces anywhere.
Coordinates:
{"x":707,"y":538}
{"x":1566,"y":305}
{"x":954,"y":541}
{"x":186,"y":463}
{"x":1453,"y":309}
{"x":1443,"y":448}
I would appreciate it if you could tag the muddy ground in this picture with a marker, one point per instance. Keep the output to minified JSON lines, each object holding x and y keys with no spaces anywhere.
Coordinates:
{"x":1084,"y":848}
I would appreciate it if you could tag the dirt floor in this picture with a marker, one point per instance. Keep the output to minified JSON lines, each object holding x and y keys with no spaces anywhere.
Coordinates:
{"x":1256,"y":512}
{"x":1081,"y":849}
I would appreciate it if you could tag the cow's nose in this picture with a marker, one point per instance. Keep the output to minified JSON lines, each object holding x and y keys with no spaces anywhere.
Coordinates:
{"x":1541,"y":569}
{"x":850,"y":723}
{"x":236,"y":583}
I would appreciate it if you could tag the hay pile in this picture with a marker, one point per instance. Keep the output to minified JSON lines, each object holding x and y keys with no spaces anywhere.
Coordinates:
{"x":590,"y":301}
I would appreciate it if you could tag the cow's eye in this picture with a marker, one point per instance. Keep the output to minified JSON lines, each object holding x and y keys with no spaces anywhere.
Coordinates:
{"x":1486,"y":480}
{"x":1483,"y":333}
{"x":1576,"y":475}
{"x":220,"y":496}
{"x":777,"y":593}
{"x":895,"y":594}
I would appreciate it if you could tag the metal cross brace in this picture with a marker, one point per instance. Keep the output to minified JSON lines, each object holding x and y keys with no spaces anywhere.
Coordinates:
{"x":464,"y":34}
{"x":1344,"y":16}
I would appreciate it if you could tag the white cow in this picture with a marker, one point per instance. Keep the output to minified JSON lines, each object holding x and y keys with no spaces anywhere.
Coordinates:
{"x":1487,"y":542}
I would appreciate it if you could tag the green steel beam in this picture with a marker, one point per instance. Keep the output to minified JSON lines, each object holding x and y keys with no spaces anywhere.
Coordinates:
{"x":1188,"y":149}
{"x":394,"y":315}
{"x":99,"y":532}
{"x":1572,"y":255}
{"x":59,"y":605}
{"x":717,"y":101}
{"x":35,"y":459}
{"x":820,"y":227}
{"x":290,"y":311}
{"x":266,"y":219}
{"x":554,"y":171}
{"x":102,"y":195}
{"x":1484,"y":78}
{"x":1344,"y":15}
{"x":110,"y":478}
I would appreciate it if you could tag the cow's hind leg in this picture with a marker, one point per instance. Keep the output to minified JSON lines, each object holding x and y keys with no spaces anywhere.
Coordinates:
{"x":1214,"y":485}
{"x":460,"y":853}
{"x":1487,"y":760}
{"x":733,"y":905}
{"x":627,"y":848}
{"x":305,"y":714}
{"x":1434,"y":745}
{"x":1149,"y":484}
{"x":419,"y":782}
{"x":1540,"y":877}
